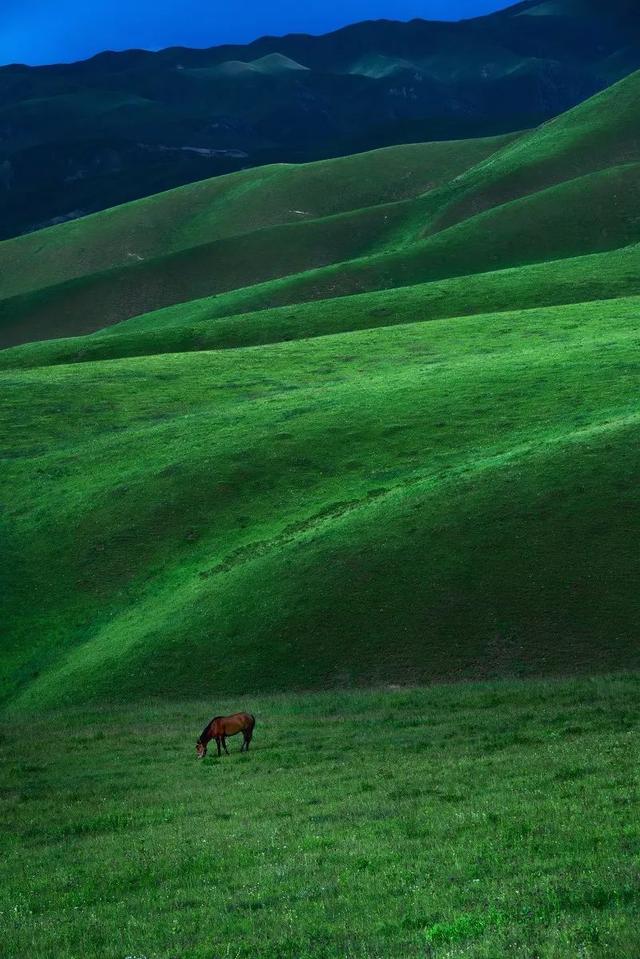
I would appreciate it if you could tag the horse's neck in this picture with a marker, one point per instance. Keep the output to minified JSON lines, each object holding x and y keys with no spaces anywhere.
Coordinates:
{"x":207,"y":736}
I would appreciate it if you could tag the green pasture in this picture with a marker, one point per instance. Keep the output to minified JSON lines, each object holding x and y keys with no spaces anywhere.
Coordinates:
{"x":484,"y":820}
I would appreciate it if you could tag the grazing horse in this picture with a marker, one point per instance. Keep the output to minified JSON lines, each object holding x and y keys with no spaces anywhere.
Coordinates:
{"x":222,"y":726}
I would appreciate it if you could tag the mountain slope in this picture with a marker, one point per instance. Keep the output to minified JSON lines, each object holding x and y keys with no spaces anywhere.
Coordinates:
{"x":592,"y":214}
{"x":210,"y":324}
{"x":598,"y":134}
{"x":81,"y":137}
{"x":566,"y":189}
{"x":228,"y":206}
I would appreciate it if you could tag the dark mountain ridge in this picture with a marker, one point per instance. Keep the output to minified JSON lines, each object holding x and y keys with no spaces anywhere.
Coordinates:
{"x":76,"y":138}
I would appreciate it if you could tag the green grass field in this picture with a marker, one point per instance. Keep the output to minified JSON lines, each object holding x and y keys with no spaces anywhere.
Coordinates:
{"x":475,"y":821}
{"x":232,"y":205}
{"x":211,"y":324}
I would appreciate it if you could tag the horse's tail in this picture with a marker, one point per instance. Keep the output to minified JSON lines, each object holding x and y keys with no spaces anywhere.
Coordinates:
{"x":253,"y":720}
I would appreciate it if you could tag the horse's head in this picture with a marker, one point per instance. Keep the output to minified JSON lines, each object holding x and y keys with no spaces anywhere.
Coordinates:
{"x":201,"y":749}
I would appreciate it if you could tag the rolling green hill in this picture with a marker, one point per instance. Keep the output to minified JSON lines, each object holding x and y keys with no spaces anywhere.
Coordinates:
{"x":591,"y":214}
{"x":230,"y":206}
{"x":211,"y":324}
{"x":594,"y":136}
{"x":399,"y":443}
{"x":392,"y":218}
{"x":386,"y":503}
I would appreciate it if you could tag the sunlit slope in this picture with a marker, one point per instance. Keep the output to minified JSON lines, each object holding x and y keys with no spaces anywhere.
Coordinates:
{"x":602,"y":132}
{"x":331,"y":436}
{"x":600,"y":212}
{"x":597,"y":212}
{"x":230,"y":205}
{"x":452,"y":498}
{"x":569,"y":188}
{"x":99,"y":300}
{"x":211,"y":324}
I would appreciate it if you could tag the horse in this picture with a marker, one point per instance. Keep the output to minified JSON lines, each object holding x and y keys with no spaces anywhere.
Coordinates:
{"x":222,"y":726}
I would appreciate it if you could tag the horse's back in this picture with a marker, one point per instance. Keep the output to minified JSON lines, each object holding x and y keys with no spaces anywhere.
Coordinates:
{"x":237,"y":722}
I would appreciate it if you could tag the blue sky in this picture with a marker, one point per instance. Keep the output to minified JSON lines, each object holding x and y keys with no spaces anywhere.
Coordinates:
{"x":50,"y":31}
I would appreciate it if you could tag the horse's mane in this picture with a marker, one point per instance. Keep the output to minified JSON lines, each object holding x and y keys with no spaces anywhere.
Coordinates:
{"x":201,"y":737}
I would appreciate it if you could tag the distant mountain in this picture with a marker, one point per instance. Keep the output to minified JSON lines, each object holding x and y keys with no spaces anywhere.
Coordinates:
{"x":78,"y":138}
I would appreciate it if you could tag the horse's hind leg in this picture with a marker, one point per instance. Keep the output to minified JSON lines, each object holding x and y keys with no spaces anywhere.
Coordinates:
{"x":247,"y":739}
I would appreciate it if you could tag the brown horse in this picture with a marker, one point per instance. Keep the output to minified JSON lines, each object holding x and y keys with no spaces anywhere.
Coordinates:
{"x":222,"y":726}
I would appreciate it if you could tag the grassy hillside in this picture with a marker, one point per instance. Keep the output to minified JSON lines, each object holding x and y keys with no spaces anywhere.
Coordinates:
{"x":549,"y":283}
{"x":492,"y":819}
{"x":109,"y":297}
{"x":566,"y":189}
{"x":311,"y":512}
{"x":598,"y":134}
{"x":228,"y":206}
{"x":590,"y":214}
{"x":145,"y":282}
{"x":210,"y":323}
{"x":354,"y":446}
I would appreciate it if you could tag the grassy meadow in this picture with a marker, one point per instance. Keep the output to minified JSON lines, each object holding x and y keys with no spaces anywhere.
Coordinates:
{"x":476,"y":821}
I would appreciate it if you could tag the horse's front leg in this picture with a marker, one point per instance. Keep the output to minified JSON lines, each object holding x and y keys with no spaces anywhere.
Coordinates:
{"x":218,"y":745}
{"x":224,"y":745}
